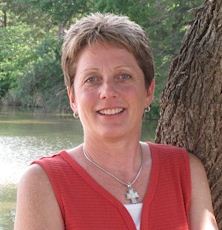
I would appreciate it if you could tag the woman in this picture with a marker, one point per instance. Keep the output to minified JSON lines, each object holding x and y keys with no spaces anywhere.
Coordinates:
{"x":113,"y":180}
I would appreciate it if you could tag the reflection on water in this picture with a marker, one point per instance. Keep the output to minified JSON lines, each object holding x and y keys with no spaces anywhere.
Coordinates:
{"x":17,"y":152}
{"x":25,"y":136}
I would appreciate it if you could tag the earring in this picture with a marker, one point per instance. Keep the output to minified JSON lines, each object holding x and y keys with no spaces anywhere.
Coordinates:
{"x":76,"y":115}
{"x":147,"y":109}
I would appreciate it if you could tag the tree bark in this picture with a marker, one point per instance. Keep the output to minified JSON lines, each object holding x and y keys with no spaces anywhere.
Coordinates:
{"x":191,"y":103}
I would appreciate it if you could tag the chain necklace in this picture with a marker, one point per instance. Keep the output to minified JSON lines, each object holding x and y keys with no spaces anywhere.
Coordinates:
{"x":131,"y":193}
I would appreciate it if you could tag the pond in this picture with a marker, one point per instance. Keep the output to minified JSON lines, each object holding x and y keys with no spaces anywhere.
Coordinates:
{"x":27,"y":135}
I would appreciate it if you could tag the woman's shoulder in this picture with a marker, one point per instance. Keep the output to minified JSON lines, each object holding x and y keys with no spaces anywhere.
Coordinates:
{"x":34,"y":184}
{"x":198,"y":175}
{"x":34,"y":176}
{"x":166,"y":147}
{"x":201,"y":213}
{"x":169,"y":152}
{"x":36,"y":203}
{"x":195,"y":162}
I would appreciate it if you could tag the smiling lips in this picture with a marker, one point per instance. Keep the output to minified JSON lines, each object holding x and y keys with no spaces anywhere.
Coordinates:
{"x":110,"y":112}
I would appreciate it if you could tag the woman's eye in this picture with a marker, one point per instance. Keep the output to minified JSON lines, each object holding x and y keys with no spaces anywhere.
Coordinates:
{"x":92,"y":79}
{"x":124,"y":77}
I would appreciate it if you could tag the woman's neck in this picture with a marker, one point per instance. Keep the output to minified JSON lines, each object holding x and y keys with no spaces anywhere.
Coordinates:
{"x":123,"y":157}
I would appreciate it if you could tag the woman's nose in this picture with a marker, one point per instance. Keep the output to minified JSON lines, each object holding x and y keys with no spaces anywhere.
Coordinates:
{"x":108,"y":90}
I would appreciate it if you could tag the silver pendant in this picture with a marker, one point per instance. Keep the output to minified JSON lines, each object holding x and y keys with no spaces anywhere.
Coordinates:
{"x":132,"y":195}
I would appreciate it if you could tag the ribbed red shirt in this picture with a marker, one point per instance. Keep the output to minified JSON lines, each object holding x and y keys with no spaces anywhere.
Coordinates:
{"x":85,"y":205}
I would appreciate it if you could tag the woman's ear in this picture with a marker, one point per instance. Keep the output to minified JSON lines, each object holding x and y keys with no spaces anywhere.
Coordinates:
{"x":71,"y":96}
{"x":150,"y":93}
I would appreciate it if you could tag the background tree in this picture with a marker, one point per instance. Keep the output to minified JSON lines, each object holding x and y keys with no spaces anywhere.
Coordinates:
{"x":191,"y":103}
{"x":164,"y":20}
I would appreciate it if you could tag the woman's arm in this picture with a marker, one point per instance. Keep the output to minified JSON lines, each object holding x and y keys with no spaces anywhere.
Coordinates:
{"x":201,"y":214}
{"x":37,"y":207}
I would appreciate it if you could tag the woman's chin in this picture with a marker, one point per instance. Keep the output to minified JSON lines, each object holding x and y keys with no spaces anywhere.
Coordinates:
{"x":114,"y":133}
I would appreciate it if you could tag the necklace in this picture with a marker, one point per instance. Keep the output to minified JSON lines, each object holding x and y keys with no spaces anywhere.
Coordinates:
{"x":131,"y":193}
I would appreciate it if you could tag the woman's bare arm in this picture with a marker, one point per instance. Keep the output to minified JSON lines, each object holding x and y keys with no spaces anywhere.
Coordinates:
{"x":201,"y":215}
{"x":37,"y":207}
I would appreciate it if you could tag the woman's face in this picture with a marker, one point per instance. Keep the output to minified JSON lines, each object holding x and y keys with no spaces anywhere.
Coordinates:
{"x":109,"y":92}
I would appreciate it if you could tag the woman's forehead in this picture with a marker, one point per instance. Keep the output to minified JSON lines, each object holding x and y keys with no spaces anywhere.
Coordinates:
{"x":99,"y":53}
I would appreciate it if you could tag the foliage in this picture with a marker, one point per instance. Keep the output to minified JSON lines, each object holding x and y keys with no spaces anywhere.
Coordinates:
{"x":165,"y":22}
{"x":45,"y":13}
{"x":34,"y":71}
{"x":16,"y":47}
{"x":43,"y":84}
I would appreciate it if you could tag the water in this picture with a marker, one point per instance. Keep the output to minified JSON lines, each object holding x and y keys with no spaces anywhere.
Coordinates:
{"x":27,"y":135}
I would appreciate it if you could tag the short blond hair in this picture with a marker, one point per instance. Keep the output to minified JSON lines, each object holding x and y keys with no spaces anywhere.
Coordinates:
{"x":115,"y":29}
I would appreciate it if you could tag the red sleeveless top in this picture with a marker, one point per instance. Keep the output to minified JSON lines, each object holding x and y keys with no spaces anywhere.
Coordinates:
{"x":85,"y":205}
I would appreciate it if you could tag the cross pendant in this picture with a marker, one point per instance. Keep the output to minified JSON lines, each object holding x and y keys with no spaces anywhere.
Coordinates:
{"x":131,"y":195}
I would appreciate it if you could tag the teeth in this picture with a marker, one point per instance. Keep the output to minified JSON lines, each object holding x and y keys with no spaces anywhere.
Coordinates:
{"x":110,"y":111}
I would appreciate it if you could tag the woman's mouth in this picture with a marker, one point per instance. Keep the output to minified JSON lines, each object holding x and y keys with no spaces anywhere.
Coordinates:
{"x":110,"y":112}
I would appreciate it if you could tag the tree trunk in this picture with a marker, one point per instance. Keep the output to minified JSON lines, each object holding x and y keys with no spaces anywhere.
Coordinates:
{"x":191,"y":103}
